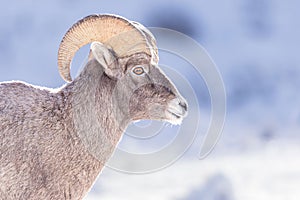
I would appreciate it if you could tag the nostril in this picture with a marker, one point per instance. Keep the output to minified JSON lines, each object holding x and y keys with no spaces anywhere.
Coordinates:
{"x":184,"y":105}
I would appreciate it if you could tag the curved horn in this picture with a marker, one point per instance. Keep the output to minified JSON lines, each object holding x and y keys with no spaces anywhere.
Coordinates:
{"x":150,"y":38}
{"x":114,"y":31}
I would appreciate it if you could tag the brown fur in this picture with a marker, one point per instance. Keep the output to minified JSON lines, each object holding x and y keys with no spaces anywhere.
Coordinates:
{"x":41,"y":156}
{"x":54,"y":143}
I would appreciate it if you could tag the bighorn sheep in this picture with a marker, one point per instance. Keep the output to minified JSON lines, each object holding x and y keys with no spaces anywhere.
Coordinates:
{"x":54,"y":143}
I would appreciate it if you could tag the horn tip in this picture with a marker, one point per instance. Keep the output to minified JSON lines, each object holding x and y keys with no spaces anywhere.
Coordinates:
{"x":66,"y":77}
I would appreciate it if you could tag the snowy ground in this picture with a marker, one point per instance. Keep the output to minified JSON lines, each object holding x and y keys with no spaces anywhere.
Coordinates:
{"x":255,"y":44}
{"x":271,"y":172}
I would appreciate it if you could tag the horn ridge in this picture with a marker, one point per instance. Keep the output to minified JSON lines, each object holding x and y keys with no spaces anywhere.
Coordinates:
{"x":114,"y":31}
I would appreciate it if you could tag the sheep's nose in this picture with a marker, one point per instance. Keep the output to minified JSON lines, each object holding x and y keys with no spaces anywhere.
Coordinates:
{"x":183,"y":104}
{"x":178,"y":107}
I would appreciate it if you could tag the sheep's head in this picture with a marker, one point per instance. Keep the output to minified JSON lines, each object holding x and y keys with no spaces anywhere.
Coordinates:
{"x":127,"y":53}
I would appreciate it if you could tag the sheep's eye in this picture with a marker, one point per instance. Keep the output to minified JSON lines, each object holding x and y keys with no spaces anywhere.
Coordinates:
{"x":138,"y":70}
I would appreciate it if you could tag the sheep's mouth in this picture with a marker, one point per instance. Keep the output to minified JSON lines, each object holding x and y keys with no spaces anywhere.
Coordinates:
{"x":174,"y":117}
{"x":176,"y":111}
{"x":174,"y":114}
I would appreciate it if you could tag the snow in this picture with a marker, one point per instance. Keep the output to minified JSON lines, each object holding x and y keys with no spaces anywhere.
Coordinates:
{"x":269,"y":172}
{"x":255,"y":44}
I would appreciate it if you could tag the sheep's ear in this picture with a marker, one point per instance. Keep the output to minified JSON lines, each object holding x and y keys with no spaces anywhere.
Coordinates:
{"x":107,"y":59}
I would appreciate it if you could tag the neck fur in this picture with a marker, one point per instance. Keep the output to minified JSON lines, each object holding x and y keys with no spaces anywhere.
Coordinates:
{"x":92,"y":110}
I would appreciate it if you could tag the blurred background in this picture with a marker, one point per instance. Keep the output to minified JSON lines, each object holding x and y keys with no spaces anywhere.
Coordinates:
{"x":254,"y":43}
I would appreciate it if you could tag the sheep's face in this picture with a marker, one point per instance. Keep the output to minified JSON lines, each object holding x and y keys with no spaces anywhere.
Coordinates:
{"x":144,"y":92}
